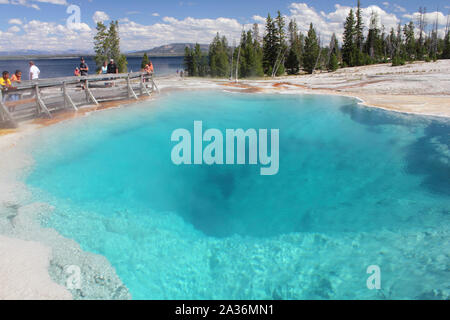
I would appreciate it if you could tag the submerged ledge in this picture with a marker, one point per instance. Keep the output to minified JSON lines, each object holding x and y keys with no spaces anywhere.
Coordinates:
{"x":37,"y":256}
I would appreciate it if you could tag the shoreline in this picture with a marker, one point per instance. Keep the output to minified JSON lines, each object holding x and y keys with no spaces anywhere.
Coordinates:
{"x":56,"y":257}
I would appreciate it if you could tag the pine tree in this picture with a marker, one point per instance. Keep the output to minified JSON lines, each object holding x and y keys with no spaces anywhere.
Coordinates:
{"x":100,"y":45}
{"x":219,"y":62}
{"x":145,"y":61}
{"x":311,"y":52}
{"x":122,"y":64}
{"x":292,"y":64}
{"x":421,"y":48}
{"x":359,"y":37}
{"x":359,"y":28}
{"x":107,"y":46}
{"x":250,"y":63}
{"x":446,"y":47}
{"x":200,"y":62}
{"x":333,"y":60}
{"x":189,"y":61}
{"x":333,"y":65}
{"x":294,"y":57}
{"x":113,"y":40}
{"x":281,"y":46}
{"x":269,"y":46}
{"x":259,"y":69}
{"x":410,"y":43}
{"x":349,"y":49}
{"x":373,"y":46}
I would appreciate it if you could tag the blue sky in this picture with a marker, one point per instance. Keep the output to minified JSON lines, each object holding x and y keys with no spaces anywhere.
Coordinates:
{"x":153,"y":23}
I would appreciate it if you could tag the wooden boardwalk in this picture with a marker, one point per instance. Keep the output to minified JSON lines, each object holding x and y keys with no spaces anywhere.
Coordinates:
{"x":42,"y":98}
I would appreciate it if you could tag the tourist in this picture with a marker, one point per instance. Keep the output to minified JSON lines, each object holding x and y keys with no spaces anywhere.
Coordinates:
{"x":150,"y":67}
{"x":149,"y":70}
{"x":34,"y":71}
{"x":104,"y":69}
{"x":5,"y":83}
{"x":84,"y":69}
{"x":17,"y":77}
{"x":77,"y":72}
{"x":112,"y":67}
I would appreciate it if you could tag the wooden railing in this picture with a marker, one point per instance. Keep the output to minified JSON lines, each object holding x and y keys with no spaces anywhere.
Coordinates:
{"x":31,"y":99}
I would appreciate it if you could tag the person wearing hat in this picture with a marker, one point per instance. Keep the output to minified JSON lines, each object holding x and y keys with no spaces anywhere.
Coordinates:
{"x":112,"y":67}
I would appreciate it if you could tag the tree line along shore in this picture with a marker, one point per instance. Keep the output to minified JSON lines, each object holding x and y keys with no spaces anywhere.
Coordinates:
{"x":282,"y":49}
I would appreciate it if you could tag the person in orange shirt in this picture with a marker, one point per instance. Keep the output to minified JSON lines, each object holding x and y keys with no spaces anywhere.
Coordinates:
{"x":149,"y":69}
{"x":17,"y":77}
{"x":150,"y":66}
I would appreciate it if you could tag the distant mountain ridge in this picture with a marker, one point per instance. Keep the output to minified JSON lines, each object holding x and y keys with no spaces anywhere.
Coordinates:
{"x":173,"y":49}
{"x":20,"y":53}
{"x":168,"y":50}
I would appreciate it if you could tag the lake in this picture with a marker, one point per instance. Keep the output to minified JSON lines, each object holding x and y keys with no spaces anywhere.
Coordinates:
{"x":64,"y":67}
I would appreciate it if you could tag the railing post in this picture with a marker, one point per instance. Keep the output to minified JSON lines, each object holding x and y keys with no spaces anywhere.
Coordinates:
{"x":144,"y":86}
{"x":2,"y":117}
{"x":67,"y":99}
{"x":131,"y":93}
{"x":41,"y":107}
{"x":4,"y":113}
{"x":129,"y":86}
{"x":86,"y":89}
{"x":154,"y":84}
{"x":36,"y":94}
{"x":64,"y":94}
{"x":89,"y":94}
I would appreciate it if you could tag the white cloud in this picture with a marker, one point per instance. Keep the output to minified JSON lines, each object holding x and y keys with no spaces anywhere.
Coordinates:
{"x":333,"y":22}
{"x":155,"y":14}
{"x":32,"y":3}
{"x":14,"y":29}
{"x":39,"y":35}
{"x":431,"y":18}
{"x":100,"y":16}
{"x":398,"y":8}
{"x":15,"y":21}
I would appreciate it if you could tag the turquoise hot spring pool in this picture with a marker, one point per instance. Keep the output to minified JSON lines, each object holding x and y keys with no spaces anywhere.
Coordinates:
{"x":356,"y":187}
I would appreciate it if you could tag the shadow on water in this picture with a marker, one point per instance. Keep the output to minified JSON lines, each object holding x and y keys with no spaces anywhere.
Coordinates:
{"x":377,"y":117}
{"x":429,"y":156}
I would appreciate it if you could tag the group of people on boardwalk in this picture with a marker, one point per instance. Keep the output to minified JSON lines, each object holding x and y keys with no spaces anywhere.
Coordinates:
{"x":7,"y":81}
{"x":107,"y":68}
